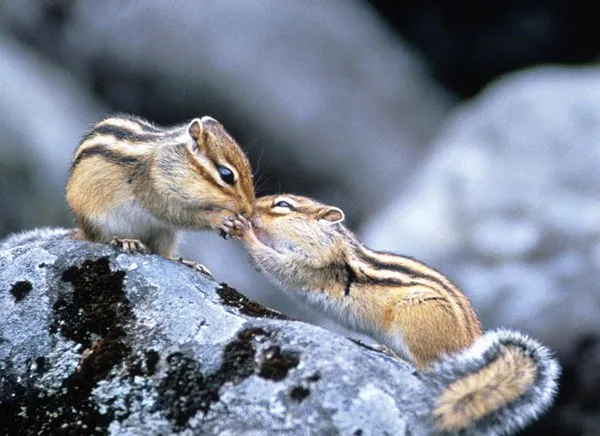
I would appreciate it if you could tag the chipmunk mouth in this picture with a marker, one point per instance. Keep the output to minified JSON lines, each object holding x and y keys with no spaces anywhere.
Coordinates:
{"x":266,"y":239}
{"x":263,"y":237}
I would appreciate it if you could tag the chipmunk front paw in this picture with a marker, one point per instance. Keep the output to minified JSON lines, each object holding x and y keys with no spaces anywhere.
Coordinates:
{"x":234,"y":227}
{"x":130,"y":246}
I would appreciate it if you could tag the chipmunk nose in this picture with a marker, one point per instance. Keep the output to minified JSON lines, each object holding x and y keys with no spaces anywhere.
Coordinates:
{"x":245,"y":210}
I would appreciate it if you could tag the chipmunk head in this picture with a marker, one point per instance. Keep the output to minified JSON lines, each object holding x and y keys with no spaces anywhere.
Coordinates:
{"x":299,"y":226}
{"x":220,"y":175}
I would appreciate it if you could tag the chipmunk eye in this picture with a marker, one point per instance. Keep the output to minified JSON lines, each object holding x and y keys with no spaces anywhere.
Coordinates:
{"x":226,"y":175}
{"x":284,"y":204}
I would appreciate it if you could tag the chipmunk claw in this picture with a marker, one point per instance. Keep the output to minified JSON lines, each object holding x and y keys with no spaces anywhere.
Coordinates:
{"x":387,"y":351}
{"x":223,"y":232}
{"x":226,"y":228}
{"x":195,"y":266}
{"x":130,"y":246}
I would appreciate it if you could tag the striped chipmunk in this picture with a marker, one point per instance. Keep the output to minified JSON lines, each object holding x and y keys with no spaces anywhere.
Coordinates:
{"x":134,"y":184}
{"x":409,"y":307}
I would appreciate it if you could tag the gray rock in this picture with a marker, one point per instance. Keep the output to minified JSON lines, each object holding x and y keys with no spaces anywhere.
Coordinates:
{"x":95,"y":341}
{"x":92,"y":340}
{"x":508,"y":205}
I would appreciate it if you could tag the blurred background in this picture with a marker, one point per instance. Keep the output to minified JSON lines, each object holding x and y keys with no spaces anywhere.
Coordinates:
{"x":463,"y":133}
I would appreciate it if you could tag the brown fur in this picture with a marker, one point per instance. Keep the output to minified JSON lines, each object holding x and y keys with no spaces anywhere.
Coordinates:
{"x":96,"y":185}
{"x":388,"y":296}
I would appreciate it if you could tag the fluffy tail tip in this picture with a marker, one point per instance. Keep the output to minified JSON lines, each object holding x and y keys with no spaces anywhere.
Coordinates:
{"x":501,"y":383}
{"x":39,"y":234}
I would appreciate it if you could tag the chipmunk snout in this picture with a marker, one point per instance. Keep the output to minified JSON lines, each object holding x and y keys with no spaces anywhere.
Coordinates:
{"x":244,"y":210}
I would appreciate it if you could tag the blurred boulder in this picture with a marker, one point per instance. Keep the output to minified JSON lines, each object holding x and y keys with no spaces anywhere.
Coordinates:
{"x":43,"y":113}
{"x":508,"y":204}
{"x":328,"y":100}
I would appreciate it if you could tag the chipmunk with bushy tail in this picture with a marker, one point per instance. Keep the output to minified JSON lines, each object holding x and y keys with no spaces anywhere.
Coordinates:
{"x":406,"y":305}
{"x":135,"y":184}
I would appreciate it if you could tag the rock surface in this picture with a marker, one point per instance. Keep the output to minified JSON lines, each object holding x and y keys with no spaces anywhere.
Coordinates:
{"x":508,"y":207}
{"x":95,"y":341}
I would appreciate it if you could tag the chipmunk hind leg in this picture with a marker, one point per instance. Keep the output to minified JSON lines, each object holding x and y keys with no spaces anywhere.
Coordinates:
{"x":428,"y":329}
{"x":88,"y":231}
{"x":163,"y":242}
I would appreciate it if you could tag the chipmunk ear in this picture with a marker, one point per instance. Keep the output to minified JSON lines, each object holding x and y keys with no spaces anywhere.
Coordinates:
{"x":332,"y":215}
{"x":195,"y":129}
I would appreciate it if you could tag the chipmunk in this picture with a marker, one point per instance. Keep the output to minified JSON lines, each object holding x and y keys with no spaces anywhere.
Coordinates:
{"x":134,"y":184}
{"x":494,"y":383}
{"x":399,"y":301}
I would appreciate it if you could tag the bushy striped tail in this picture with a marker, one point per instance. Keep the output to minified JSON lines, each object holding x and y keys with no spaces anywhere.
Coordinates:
{"x":501,"y":383}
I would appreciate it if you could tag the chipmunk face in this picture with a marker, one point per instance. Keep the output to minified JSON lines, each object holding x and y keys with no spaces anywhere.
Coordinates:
{"x":219,"y":176}
{"x":299,"y":226}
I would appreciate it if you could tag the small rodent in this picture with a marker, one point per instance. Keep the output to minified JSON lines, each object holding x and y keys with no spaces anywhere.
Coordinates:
{"x":135,"y":184}
{"x":493,"y":383}
{"x":402,"y":303}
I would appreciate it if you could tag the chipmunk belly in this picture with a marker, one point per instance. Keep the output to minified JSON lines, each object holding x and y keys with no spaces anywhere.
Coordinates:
{"x":357,"y":318}
{"x":128,"y":219}
{"x":293,"y":282}
{"x":360,"y":310}
{"x":330,"y":305}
